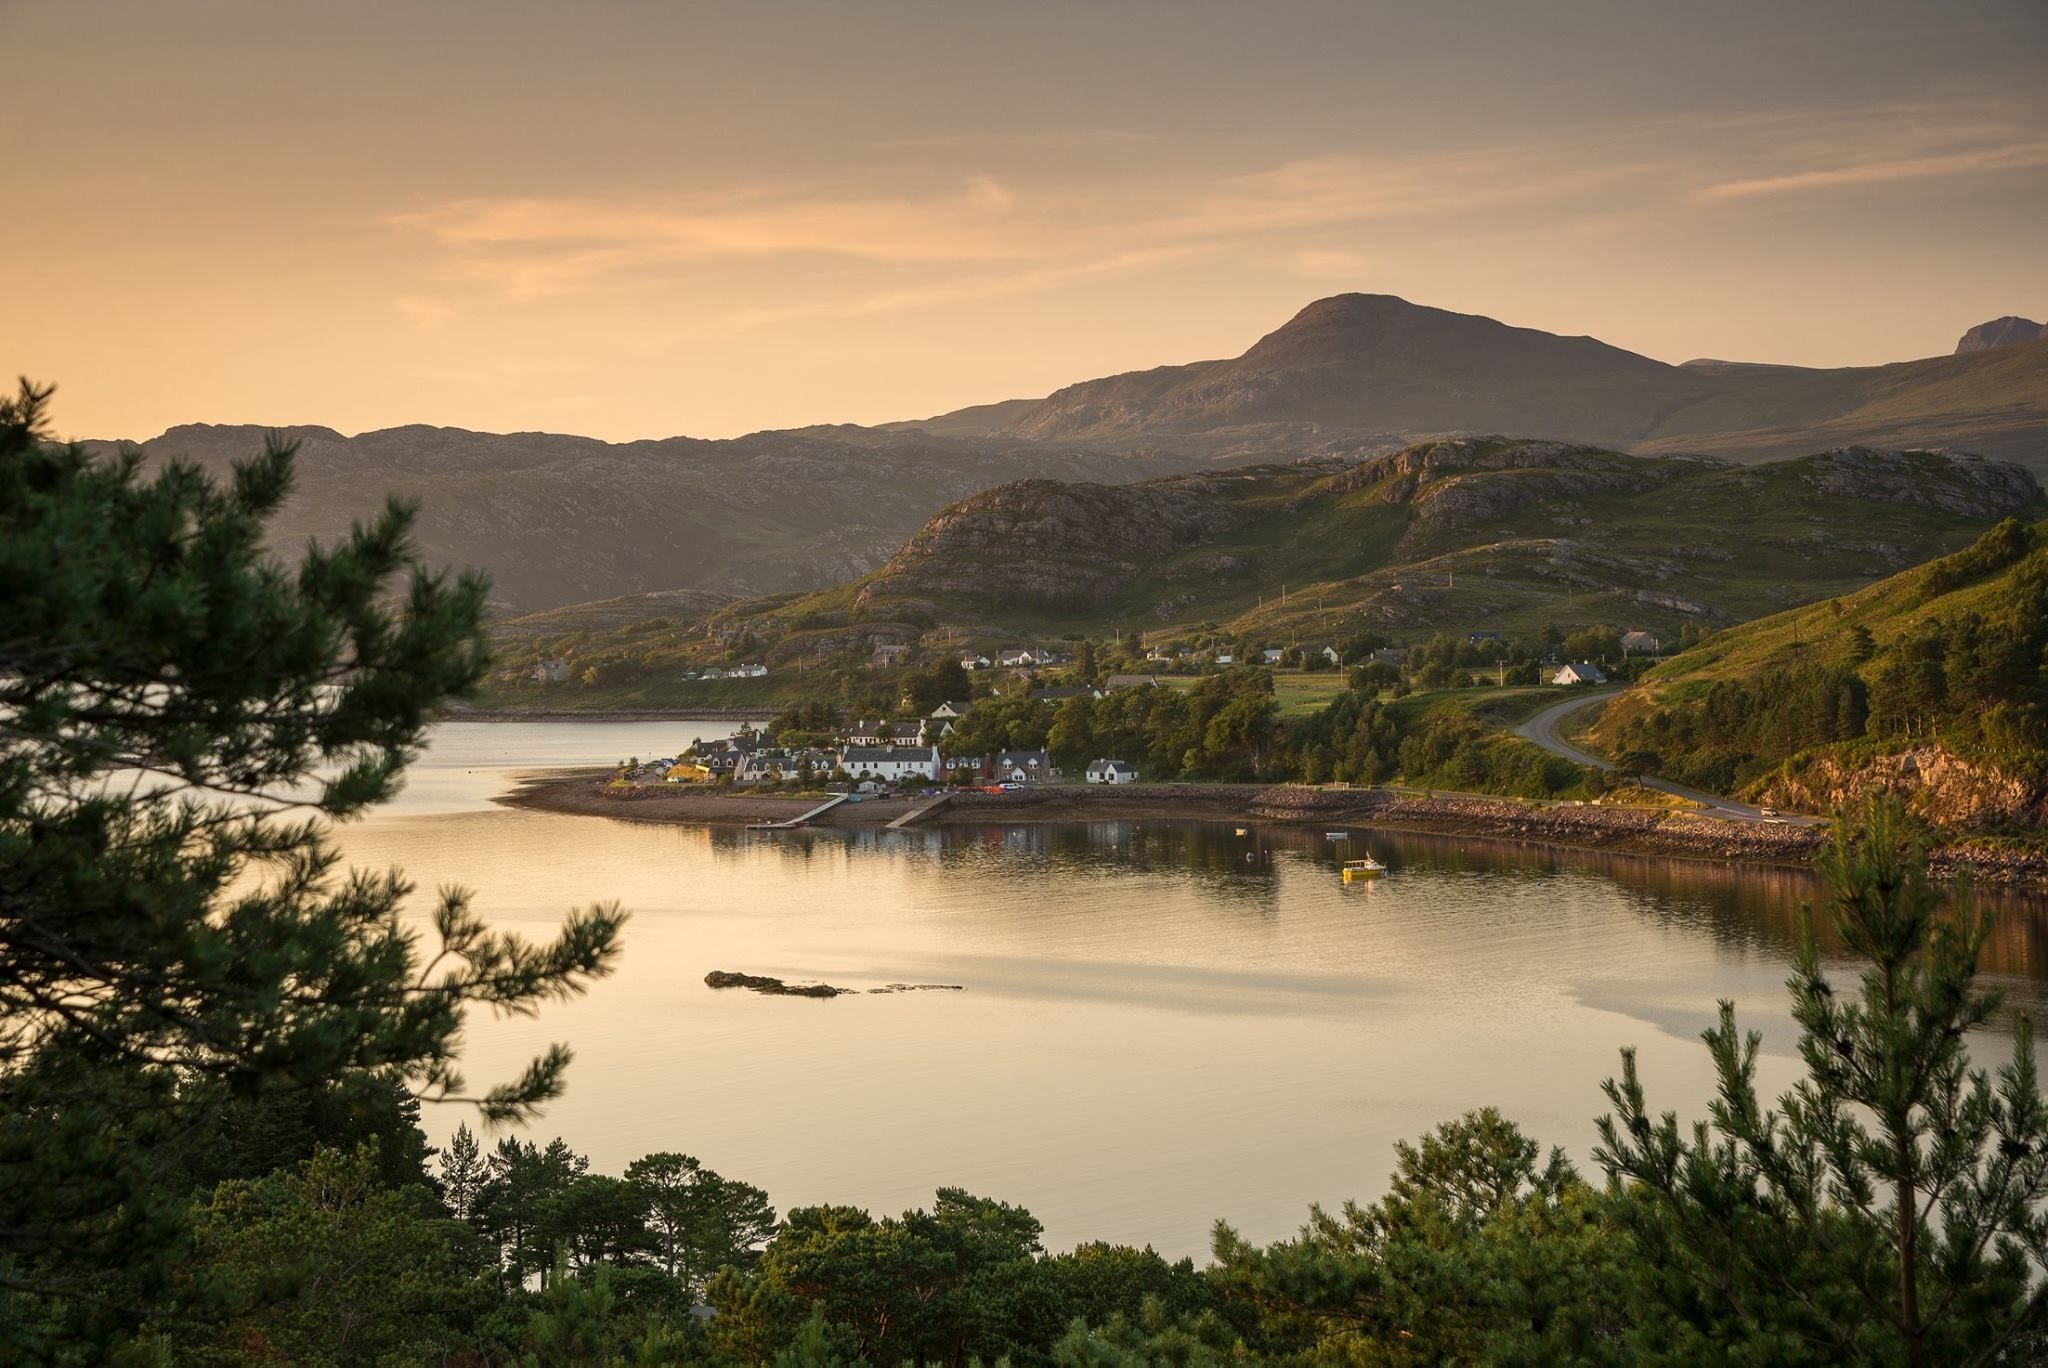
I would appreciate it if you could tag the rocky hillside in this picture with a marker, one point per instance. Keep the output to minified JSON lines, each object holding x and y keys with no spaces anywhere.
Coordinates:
{"x":560,"y":520}
{"x":1475,"y":533}
{"x":2009,"y":331}
{"x":1377,"y":366}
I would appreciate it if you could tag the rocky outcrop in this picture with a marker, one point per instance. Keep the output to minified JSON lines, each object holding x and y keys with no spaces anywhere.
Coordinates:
{"x":1947,"y":789}
{"x":773,"y":987}
{"x":1046,"y":545}
{"x":1967,"y":486}
{"x":2009,"y":331}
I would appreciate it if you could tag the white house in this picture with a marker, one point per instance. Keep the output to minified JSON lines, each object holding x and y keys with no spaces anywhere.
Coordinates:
{"x":1025,"y":657}
{"x":1112,"y":772}
{"x":974,"y":662}
{"x":1578,"y":672}
{"x":746,"y":672}
{"x":951,"y":709}
{"x":890,"y":763}
{"x":1272,"y":655}
{"x":1225,"y":658}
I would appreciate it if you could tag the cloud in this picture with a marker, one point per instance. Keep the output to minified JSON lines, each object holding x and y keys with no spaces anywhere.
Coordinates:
{"x":534,"y":246}
{"x":1975,"y":161}
{"x":964,"y":290}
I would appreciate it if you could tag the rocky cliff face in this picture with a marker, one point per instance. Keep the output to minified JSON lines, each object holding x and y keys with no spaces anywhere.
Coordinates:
{"x":1943,"y":787}
{"x":2009,"y":331}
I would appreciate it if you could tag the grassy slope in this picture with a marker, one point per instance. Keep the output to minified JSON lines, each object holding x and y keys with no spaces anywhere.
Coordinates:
{"x":1822,"y":633}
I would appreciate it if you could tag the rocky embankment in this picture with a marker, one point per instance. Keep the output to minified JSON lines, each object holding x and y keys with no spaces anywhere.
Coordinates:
{"x":1650,"y":832}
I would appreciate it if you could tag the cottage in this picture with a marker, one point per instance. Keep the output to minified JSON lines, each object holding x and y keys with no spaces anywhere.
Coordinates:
{"x":1024,"y":767}
{"x":974,"y":662}
{"x":891,"y":763}
{"x":550,"y":672}
{"x":965,"y":767}
{"x":1272,"y":655}
{"x":932,"y":730}
{"x":1024,"y":658}
{"x":712,"y":672}
{"x":888,"y":653}
{"x":878,"y":733}
{"x":1579,"y":672}
{"x":951,"y":709}
{"x":747,"y":672}
{"x":1641,"y":643}
{"x":1112,"y":772}
{"x":1225,"y":658}
{"x":1329,"y":655}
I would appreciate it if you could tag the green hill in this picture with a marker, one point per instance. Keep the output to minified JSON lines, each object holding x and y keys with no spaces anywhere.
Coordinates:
{"x":1930,"y":681}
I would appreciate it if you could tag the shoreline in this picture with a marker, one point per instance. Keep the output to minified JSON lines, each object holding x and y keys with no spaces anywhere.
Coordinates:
{"x":1647,"y":832}
{"x":609,"y":715}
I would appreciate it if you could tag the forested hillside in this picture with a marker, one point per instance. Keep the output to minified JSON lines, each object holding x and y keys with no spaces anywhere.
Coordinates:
{"x":1931,"y":681}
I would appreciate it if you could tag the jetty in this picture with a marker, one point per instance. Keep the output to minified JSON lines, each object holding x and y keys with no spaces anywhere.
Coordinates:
{"x":791,"y":824}
{"x":917,"y":813}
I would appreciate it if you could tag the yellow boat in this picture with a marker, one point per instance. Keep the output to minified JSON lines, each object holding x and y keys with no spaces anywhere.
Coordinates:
{"x":1367,"y":868}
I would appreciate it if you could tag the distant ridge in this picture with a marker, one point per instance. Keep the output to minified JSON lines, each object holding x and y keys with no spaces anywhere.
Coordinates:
{"x":2008,"y":331}
{"x":1376,"y":365}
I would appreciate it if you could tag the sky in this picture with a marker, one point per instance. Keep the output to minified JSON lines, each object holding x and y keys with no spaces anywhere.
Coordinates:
{"x":633,"y":219}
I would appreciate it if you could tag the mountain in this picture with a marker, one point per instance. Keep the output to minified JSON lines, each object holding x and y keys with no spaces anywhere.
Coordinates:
{"x":1375,"y":366}
{"x":1492,"y":534}
{"x":1377,"y":363}
{"x":560,"y":520}
{"x":2008,"y":331}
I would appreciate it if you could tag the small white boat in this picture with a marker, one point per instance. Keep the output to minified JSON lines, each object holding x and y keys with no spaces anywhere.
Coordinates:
{"x":1337,"y":835}
{"x":1367,"y":868}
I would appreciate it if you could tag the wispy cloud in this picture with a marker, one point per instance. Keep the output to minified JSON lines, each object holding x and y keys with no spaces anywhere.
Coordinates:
{"x":1973,"y":161}
{"x":533,"y":246}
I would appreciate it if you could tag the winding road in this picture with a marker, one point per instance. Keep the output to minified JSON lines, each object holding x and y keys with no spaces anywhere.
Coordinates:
{"x":1542,"y":729}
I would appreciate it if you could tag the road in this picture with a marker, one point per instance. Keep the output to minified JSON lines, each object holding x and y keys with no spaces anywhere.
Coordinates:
{"x":1542,"y":729}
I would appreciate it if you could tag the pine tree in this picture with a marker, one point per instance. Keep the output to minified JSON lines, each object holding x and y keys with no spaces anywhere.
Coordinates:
{"x":462,"y":1173}
{"x":1889,"y":1210}
{"x":180,"y":714}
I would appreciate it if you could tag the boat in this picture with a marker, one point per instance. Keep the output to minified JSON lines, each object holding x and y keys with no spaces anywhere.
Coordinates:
{"x":1337,"y":835}
{"x":1367,"y":868}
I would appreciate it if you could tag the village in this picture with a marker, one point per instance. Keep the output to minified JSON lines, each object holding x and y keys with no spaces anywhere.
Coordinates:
{"x":921,"y":748}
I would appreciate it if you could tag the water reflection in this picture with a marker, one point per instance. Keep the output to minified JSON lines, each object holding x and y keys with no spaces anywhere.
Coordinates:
{"x":1164,"y":1023}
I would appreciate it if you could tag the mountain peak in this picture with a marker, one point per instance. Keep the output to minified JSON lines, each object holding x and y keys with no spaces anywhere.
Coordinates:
{"x":2009,"y":331}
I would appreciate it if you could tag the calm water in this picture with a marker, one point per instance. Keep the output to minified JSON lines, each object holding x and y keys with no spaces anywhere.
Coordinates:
{"x":1156,"y":1031}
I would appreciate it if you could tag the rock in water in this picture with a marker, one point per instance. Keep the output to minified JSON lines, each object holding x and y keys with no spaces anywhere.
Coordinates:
{"x":761,"y":983}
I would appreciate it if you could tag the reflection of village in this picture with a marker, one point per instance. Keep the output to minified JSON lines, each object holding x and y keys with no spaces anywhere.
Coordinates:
{"x":1750,"y":908}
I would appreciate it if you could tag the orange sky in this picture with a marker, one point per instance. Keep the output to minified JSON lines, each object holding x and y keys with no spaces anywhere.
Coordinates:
{"x":641,"y":219}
